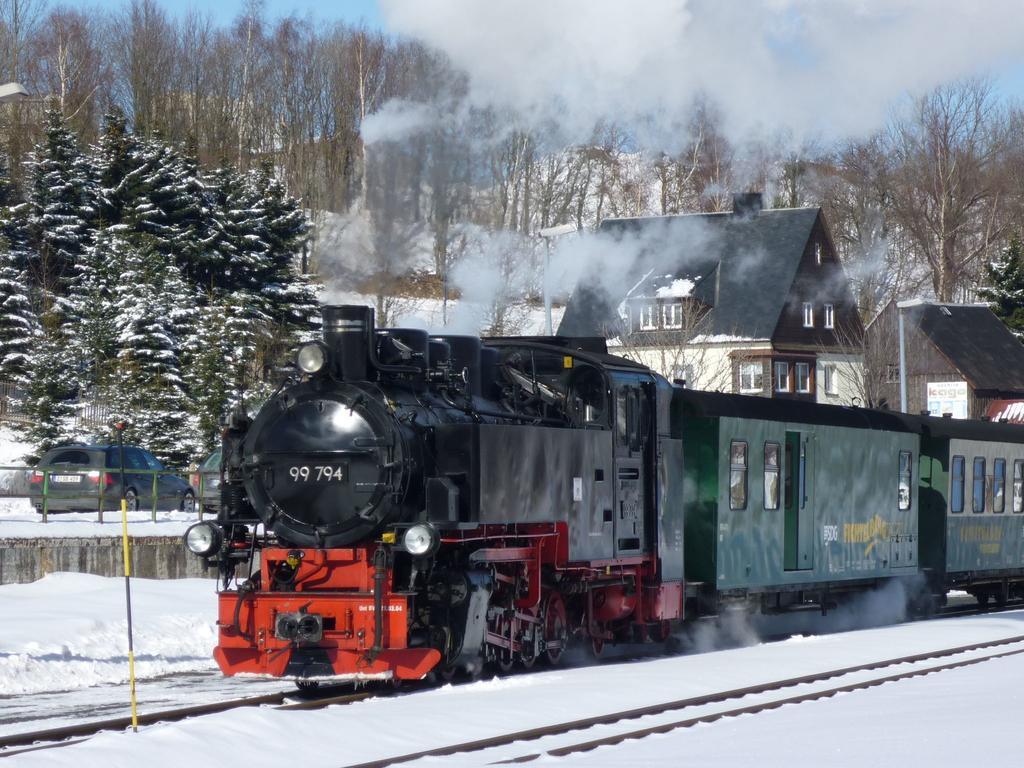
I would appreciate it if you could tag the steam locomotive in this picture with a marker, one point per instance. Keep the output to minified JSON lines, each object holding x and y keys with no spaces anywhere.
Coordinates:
{"x":409,"y":504}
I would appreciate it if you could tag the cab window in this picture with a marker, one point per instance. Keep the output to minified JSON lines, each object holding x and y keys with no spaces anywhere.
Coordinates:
{"x":737,"y":475}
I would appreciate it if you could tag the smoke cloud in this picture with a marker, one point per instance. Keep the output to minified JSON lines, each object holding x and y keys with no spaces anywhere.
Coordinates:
{"x":807,"y":68}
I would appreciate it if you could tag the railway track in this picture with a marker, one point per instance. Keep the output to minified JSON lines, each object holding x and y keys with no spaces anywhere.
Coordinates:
{"x":685,"y":713}
{"x":72,"y":734}
{"x":14,"y":744}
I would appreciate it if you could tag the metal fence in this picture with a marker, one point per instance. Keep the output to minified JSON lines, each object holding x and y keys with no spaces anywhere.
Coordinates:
{"x":91,"y":409}
{"x":98,"y":490}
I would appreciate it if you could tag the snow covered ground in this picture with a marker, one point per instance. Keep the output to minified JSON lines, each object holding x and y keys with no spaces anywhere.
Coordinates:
{"x":927,"y":720}
{"x":18,"y":520}
{"x":68,"y":631}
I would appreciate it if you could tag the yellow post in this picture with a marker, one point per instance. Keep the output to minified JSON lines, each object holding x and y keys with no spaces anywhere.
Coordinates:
{"x":126,"y":552}
{"x":126,"y":548}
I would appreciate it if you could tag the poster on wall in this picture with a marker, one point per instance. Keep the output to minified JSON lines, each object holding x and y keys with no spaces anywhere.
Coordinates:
{"x":947,"y":397}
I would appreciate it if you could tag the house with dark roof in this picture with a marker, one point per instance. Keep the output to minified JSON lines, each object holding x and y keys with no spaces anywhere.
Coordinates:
{"x":751,"y":300}
{"x":961,"y":359}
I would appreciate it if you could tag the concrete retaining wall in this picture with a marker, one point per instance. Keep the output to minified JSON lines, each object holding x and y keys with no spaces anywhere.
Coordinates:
{"x":153,"y":557}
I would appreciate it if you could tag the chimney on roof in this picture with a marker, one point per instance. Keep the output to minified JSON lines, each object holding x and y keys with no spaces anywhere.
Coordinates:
{"x":747,"y":204}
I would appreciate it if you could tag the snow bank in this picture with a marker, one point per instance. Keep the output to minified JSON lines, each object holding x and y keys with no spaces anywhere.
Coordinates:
{"x":12,"y":448}
{"x":68,"y":630}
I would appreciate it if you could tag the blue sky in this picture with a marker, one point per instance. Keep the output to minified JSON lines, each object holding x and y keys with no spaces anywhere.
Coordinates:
{"x":225,"y":10}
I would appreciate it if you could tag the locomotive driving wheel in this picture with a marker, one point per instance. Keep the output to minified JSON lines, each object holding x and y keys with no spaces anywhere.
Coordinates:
{"x":556,"y":629}
{"x":504,"y":656}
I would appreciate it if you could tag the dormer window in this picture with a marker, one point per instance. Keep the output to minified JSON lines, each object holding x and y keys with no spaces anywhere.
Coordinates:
{"x":672,"y":315}
{"x":648,"y":317}
{"x":817,"y":253}
{"x":830,"y":316}
{"x":808,"y":315}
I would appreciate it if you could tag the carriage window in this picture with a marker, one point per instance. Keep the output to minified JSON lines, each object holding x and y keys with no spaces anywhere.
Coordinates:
{"x":978,"y":486}
{"x":998,"y":486}
{"x":905,"y":479}
{"x":956,"y":495}
{"x":1018,"y":486}
{"x":771,"y":475}
{"x":737,"y":475}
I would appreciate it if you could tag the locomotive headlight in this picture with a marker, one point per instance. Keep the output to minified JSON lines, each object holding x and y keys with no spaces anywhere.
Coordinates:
{"x":420,"y":540}
{"x":311,"y":357}
{"x":203,"y":539}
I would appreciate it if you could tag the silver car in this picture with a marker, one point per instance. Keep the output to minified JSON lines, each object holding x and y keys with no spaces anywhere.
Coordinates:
{"x":88,"y":478}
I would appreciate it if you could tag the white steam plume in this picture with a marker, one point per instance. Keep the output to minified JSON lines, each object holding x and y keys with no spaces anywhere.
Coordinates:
{"x":829,"y":69}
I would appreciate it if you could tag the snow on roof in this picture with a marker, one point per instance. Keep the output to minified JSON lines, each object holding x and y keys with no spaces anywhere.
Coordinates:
{"x":680,"y":288}
{"x":722,"y":338}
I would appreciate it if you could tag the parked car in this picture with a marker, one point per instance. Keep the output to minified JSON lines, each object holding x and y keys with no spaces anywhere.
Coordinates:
{"x":206,"y":481}
{"x":92,"y":468}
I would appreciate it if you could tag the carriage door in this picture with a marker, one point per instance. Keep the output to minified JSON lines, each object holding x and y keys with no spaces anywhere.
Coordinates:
{"x":798,"y":528}
{"x":631,"y":424}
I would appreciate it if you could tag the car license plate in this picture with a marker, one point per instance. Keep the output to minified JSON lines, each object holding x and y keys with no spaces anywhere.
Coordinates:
{"x":67,"y":478}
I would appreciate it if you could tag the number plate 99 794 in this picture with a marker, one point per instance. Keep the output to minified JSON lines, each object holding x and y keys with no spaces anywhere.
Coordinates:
{"x":316,"y":473}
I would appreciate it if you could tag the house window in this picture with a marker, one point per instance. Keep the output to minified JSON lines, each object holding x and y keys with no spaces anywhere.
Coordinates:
{"x":892,"y":373}
{"x":830,"y":316}
{"x":751,"y":377}
{"x":803,"y":377}
{"x":830,"y":379}
{"x":738,"y":475}
{"x":648,"y":318}
{"x":672,"y":315}
{"x":682,"y":372}
{"x":782,"y":377}
{"x":808,"y":315}
{"x":771,"y":475}
{"x":905,"y":479}
{"x":817,"y":252}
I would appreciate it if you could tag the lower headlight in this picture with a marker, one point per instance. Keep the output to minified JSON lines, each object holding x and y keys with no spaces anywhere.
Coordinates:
{"x":203,"y":539}
{"x":420,"y":540}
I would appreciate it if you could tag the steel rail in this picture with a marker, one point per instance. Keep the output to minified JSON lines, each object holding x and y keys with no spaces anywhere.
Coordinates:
{"x":752,"y":709}
{"x":70,"y":734}
{"x":713,"y":698}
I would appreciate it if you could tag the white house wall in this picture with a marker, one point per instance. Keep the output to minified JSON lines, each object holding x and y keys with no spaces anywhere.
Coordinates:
{"x":849,"y":371}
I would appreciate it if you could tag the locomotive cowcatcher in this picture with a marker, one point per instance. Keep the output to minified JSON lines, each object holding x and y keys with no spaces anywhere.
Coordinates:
{"x":407,"y":504}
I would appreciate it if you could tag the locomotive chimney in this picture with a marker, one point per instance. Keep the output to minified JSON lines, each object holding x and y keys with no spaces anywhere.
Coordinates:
{"x":347,"y":332}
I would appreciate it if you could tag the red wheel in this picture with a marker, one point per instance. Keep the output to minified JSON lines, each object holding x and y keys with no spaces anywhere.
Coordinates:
{"x":556,"y":629}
